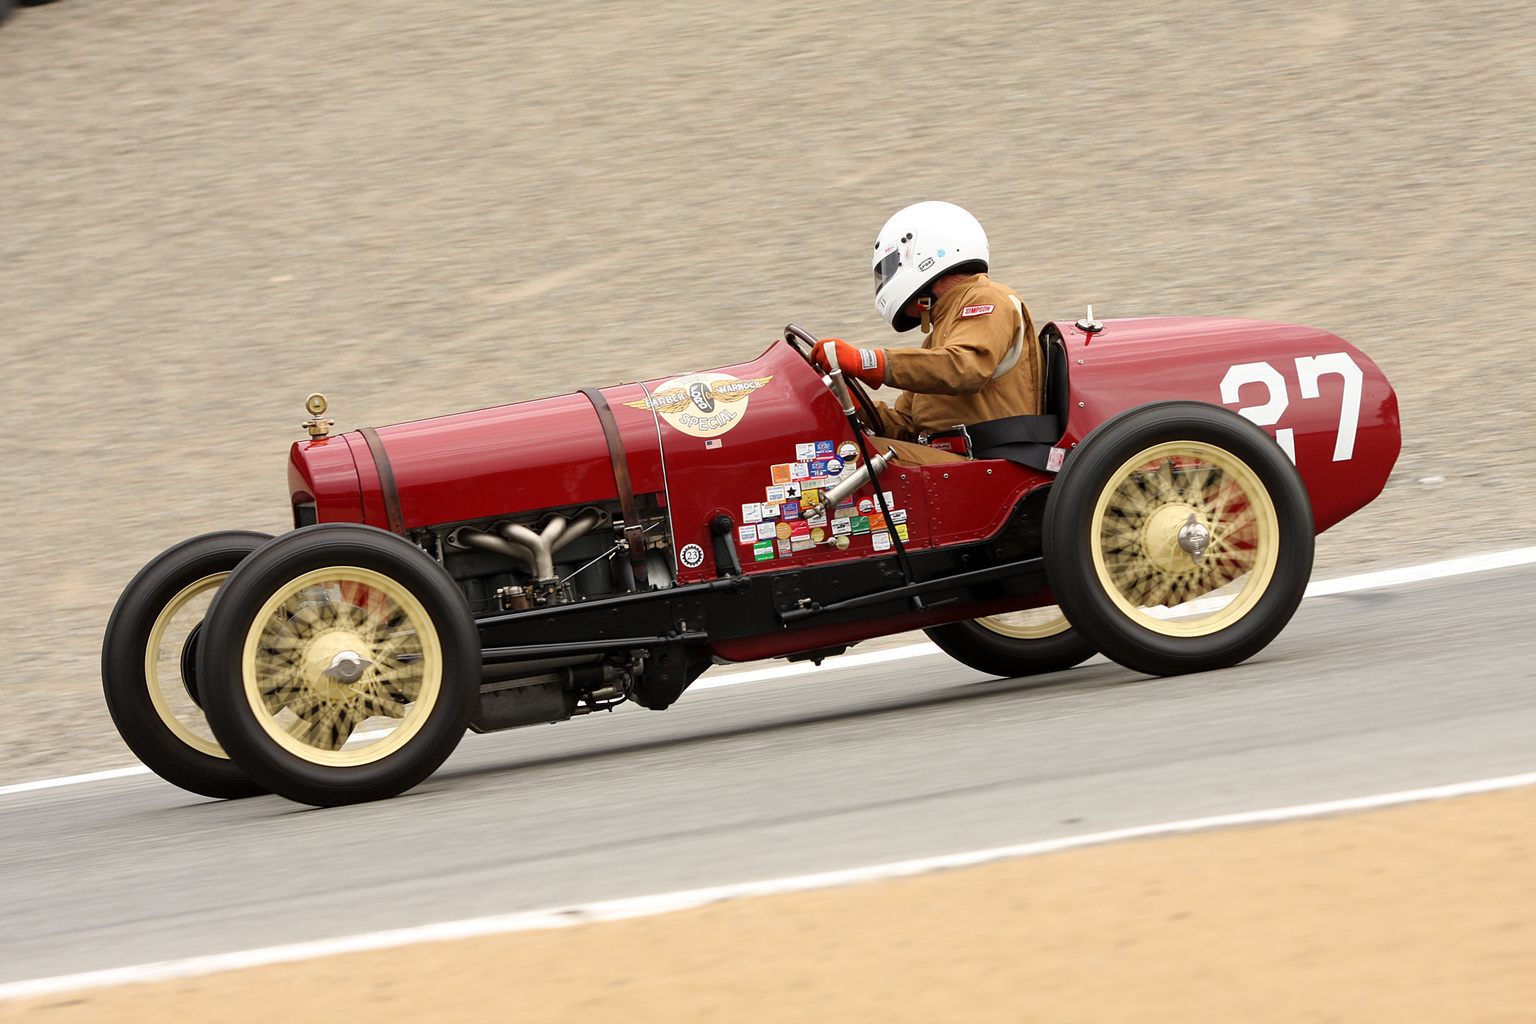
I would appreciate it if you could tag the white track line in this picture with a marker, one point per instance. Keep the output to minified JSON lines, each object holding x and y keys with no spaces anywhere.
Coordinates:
{"x":1419,"y":573}
{"x":74,"y":780}
{"x":663,"y":903}
{"x":1321,"y":588}
{"x":804,"y":668}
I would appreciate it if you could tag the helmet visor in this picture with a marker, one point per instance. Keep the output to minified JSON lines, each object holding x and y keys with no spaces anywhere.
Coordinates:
{"x":886,"y":269}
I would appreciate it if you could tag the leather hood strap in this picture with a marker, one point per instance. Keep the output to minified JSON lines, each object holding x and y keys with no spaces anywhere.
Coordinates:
{"x":386,"y":480}
{"x":634,"y":533}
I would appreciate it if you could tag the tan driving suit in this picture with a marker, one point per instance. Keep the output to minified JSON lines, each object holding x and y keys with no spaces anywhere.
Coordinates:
{"x":950,"y":380}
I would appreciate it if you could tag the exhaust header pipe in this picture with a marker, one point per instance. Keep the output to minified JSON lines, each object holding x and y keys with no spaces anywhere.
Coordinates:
{"x":536,"y":550}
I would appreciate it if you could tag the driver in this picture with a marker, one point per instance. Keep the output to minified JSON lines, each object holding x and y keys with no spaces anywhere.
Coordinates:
{"x":980,"y":358}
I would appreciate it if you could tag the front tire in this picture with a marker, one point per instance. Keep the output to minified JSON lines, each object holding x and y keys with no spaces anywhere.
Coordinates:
{"x":341,"y":664}
{"x":1015,"y":644}
{"x":146,"y":655}
{"x":1179,"y":538}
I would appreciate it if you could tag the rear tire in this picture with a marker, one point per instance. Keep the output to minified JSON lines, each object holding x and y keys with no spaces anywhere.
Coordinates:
{"x":1027,"y":643}
{"x":1178,"y":537}
{"x":340,"y":664}
{"x":145,"y":654}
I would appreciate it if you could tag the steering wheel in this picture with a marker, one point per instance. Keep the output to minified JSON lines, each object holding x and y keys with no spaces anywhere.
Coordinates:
{"x":805,"y":343}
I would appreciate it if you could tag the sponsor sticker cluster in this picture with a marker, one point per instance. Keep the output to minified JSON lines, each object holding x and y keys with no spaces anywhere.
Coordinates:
{"x":788,"y":520}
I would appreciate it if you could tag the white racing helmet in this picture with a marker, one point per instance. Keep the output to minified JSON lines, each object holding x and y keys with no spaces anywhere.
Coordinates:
{"x":919,"y":245}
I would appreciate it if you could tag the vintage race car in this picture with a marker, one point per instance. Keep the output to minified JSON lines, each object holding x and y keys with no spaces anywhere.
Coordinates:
{"x":551,"y":558}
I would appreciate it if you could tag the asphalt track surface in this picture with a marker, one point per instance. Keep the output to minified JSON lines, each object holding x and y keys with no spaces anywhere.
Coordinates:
{"x":1365,"y":692}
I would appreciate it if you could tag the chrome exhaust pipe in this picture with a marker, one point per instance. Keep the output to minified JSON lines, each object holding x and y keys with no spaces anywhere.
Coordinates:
{"x":469,"y":537}
{"x":578,"y":528}
{"x":536,"y":550}
{"x":541,"y":543}
{"x":557,"y":533}
{"x":853,"y":481}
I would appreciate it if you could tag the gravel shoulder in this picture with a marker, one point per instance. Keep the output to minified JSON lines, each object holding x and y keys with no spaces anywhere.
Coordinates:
{"x":1418,"y":913}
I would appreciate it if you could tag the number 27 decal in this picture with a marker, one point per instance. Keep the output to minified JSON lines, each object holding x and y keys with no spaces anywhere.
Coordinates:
{"x":1309,"y":369}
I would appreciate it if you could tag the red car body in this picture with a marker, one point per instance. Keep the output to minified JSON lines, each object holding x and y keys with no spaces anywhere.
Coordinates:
{"x":553,"y":558}
{"x":1323,"y":400}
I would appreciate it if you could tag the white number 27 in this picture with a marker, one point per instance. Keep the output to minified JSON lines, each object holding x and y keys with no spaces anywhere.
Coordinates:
{"x":1309,"y":369}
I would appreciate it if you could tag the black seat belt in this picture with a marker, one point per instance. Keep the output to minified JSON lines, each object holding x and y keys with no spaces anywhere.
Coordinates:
{"x":1026,"y":440}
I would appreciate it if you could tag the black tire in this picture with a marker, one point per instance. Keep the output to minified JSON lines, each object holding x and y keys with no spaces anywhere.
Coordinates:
{"x":156,"y":709}
{"x":327,"y":628}
{"x":1018,"y":644}
{"x":5,"y":10}
{"x":1113,"y":527}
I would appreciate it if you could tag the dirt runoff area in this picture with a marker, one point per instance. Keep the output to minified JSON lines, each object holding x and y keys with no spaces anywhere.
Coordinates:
{"x":1417,"y":913}
{"x":211,"y":209}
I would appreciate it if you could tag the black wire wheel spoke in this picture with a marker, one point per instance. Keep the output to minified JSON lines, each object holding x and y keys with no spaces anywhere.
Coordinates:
{"x":1182,"y":536}
{"x":326,"y":665}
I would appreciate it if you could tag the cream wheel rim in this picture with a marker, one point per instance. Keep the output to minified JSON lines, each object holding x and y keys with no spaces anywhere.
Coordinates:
{"x":1030,"y":624}
{"x":1159,"y":576}
{"x":342,"y":666}
{"x":162,"y":665}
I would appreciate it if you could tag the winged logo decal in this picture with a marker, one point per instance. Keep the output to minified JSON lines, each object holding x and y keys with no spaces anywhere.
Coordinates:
{"x":702,"y":404}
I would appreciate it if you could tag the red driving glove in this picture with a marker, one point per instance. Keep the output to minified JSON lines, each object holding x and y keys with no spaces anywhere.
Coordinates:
{"x":867,"y":364}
